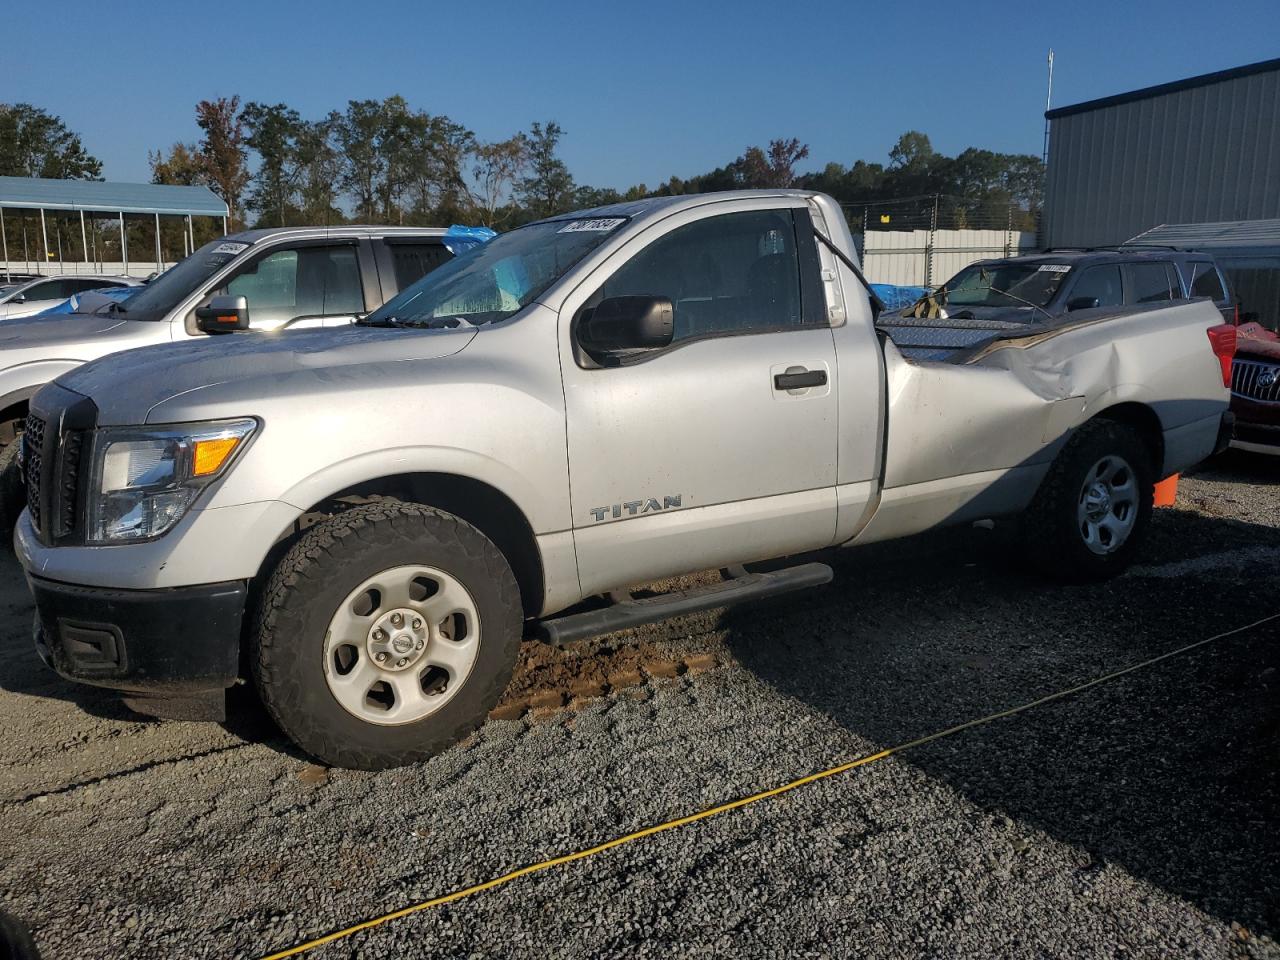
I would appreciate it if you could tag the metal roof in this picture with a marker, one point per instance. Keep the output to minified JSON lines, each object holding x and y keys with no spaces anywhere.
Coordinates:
{"x":1204,"y":80}
{"x":95,"y":196}
{"x":1229,"y":233}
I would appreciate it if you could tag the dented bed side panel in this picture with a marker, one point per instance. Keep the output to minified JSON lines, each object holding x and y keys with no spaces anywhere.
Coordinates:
{"x":974,"y":439}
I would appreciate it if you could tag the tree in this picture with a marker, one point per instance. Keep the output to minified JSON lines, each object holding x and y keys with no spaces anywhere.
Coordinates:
{"x":34,"y":143}
{"x":912,"y":150}
{"x":359,"y":137}
{"x":273,"y":132}
{"x":548,"y":189}
{"x":222,"y":149}
{"x":495,"y":170}
{"x":320,"y":168}
{"x":772,"y":168}
{"x":183,"y":165}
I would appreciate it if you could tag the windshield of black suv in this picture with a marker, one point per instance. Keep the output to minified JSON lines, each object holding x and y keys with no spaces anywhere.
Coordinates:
{"x":495,"y":281}
{"x":157,"y":298}
{"x":1005,"y":285}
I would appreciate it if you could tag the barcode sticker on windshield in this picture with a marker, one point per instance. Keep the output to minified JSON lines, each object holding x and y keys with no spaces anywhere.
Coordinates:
{"x":230,"y":247}
{"x":1056,"y":267}
{"x":601,"y":225}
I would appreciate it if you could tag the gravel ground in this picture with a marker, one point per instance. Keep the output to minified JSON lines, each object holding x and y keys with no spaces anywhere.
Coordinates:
{"x":1137,"y":819}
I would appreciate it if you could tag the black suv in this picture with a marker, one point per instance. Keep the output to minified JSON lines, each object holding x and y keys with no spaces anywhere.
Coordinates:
{"x":1027,"y":289}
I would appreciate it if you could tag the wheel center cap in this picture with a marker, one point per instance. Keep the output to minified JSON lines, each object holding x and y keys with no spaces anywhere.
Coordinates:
{"x":398,"y":640}
{"x":1099,"y":501}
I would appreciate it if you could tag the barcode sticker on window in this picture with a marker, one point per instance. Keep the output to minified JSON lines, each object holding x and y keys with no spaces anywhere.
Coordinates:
{"x":1055,"y":267}
{"x":602,"y":225}
{"x":230,"y":247}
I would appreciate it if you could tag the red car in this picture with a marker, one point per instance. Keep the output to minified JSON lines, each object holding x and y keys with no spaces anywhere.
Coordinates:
{"x":1255,"y":390}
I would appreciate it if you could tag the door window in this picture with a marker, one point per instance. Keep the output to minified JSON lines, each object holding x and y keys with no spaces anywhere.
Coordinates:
{"x":1206,"y":282}
{"x":310,"y":281}
{"x":734,"y":273}
{"x":1151,"y":283}
{"x":1101,"y":282}
{"x":413,"y":261}
{"x":49,"y":290}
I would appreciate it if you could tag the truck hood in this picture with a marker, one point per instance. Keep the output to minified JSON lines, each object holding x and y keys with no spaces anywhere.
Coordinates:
{"x":127,"y":385}
{"x":72,"y":335}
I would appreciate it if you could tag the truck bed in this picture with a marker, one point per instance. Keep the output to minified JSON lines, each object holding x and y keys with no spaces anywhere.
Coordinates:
{"x":959,"y":340}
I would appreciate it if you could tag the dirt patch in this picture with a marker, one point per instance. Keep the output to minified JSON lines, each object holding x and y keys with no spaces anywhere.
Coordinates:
{"x":547,"y":678}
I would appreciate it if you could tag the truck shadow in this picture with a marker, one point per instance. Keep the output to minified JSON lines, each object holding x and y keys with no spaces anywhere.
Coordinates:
{"x":1172,"y":773}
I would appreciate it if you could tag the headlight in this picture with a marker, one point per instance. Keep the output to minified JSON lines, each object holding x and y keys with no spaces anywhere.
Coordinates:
{"x":144,"y":479}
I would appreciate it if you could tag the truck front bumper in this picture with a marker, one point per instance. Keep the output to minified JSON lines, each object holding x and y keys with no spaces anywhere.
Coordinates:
{"x":179,"y":642}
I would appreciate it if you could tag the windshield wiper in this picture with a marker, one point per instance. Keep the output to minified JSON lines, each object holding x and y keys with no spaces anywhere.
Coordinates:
{"x":1014,"y":296}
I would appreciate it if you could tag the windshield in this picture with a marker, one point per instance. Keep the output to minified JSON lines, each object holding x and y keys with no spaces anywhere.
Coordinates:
{"x":497,"y":280}
{"x":157,"y":298}
{"x":1004,"y":285}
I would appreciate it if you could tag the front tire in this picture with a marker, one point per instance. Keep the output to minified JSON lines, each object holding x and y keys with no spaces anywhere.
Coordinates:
{"x":386,"y":634}
{"x":13,"y":492}
{"x":1092,"y":510}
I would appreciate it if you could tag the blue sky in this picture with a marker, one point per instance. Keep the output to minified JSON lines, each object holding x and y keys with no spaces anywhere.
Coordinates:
{"x":643,"y":91}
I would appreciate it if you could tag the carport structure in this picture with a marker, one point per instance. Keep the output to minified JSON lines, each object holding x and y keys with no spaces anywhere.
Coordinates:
{"x":100,"y":200}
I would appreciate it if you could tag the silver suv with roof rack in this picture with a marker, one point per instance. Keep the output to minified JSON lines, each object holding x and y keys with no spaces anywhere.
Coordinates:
{"x":274,"y":279}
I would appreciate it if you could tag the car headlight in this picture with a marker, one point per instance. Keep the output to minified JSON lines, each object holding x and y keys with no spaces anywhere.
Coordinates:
{"x":145,"y":479}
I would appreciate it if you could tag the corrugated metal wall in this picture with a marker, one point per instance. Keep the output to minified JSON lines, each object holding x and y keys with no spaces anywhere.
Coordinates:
{"x":1200,"y":154}
{"x":901,"y":257}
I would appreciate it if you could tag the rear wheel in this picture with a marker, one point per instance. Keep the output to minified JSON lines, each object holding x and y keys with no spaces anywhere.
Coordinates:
{"x":1092,"y":510}
{"x":386,"y":634}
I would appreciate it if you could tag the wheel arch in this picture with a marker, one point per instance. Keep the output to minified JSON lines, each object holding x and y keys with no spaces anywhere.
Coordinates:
{"x":1144,"y":420}
{"x":485,"y":507}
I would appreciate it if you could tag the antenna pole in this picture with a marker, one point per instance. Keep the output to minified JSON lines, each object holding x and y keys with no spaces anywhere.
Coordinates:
{"x":1048,"y":102}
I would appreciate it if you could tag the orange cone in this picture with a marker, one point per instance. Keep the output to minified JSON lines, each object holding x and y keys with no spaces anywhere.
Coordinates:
{"x":1166,"y":492}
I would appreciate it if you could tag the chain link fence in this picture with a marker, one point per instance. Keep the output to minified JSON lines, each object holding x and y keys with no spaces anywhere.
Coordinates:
{"x":924,"y":240}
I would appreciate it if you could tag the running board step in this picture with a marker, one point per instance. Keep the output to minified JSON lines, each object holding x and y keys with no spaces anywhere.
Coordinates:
{"x":630,"y":612}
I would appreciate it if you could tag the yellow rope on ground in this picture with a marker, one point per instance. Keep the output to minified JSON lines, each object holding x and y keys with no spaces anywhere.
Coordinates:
{"x":745,"y":801}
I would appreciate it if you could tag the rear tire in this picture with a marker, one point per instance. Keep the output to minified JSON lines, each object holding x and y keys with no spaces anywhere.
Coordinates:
{"x":1092,"y":510}
{"x":354,"y":689}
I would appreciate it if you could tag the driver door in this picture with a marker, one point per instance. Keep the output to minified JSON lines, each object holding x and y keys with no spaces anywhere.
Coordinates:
{"x":696,"y":455}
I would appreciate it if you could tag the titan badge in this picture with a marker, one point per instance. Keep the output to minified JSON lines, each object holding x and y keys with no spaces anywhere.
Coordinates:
{"x":635,"y":508}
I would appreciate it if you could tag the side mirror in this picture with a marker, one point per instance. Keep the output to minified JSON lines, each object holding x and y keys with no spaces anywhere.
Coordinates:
{"x":18,"y":298}
{"x":628,"y":323}
{"x":223,"y":315}
{"x":1082,"y":303}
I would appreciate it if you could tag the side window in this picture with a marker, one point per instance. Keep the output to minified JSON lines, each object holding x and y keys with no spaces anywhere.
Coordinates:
{"x":1102,"y":283}
{"x":734,"y":273}
{"x":1207,"y":283}
{"x":413,"y":261}
{"x":1150,"y":283}
{"x":55,"y":289}
{"x":310,"y":281}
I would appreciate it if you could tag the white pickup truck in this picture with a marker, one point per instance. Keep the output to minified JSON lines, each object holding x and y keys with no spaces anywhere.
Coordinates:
{"x":366,"y":520}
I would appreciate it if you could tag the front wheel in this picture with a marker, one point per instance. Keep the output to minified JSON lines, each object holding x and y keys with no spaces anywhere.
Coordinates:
{"x":1092,"y":509}
{"x":13,"y":491}
{"x":386,"y":634}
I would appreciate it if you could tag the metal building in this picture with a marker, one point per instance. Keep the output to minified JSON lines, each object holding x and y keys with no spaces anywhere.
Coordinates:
{"x":95,"y":200}
{"x":1205,"y":149}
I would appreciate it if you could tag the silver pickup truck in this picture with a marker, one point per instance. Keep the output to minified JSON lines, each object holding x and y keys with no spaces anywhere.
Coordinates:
{"x":367,"y":520}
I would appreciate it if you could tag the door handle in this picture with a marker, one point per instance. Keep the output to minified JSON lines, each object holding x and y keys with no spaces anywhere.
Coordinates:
{"x":798,"y":381}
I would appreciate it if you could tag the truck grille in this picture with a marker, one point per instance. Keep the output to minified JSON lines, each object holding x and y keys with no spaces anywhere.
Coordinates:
{"x":1256,"y":380}
{"x":33,"y":465}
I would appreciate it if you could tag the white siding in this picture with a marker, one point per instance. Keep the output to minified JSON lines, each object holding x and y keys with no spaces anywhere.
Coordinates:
{"x":902,"y":257}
